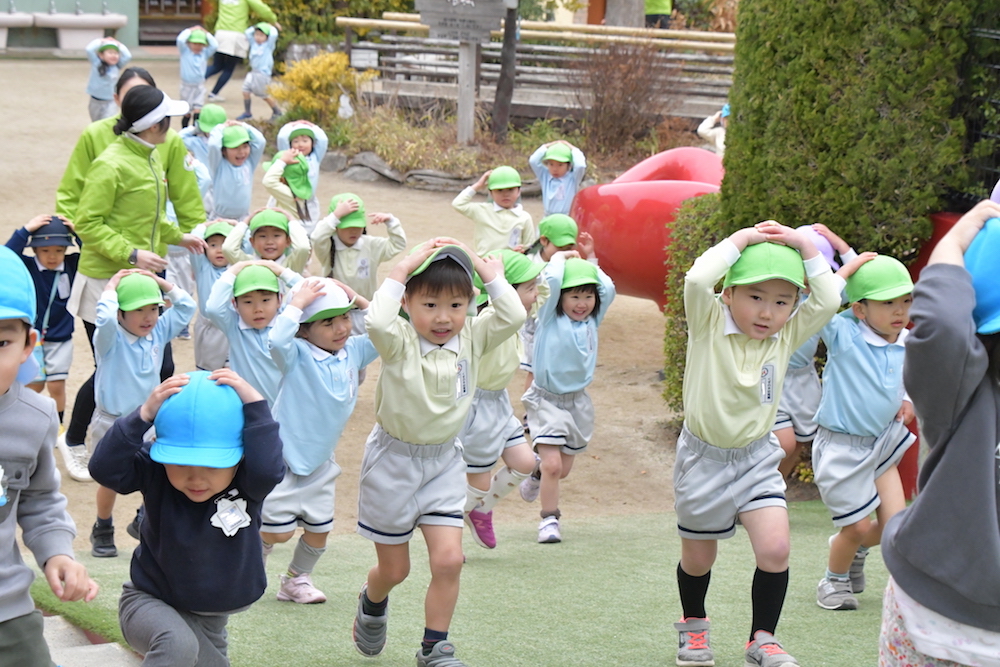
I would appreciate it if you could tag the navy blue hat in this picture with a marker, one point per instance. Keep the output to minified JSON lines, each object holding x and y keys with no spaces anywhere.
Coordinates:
{"x":54,"y":232}
{"x":202,"y":425}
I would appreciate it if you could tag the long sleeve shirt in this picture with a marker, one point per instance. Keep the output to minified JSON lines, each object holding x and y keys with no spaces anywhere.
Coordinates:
{"x":195,"y":141}
{"x":194,"y":65}
{"x":262,"y":55}
{"x":319,"y":390}
{"x":495,"y":227}
{"x":103,"y":87}
{"x":356,"y":265}
{"x":184,"y":559}
{"x":558,"y":193}
{"x":566,"y":350}
{"x":424,"y":390}
{"x":128,"y":366}
{"x":237,"y":246}
{"x":232,"y":186}
{"x":714,"y":135}
{"x":205,"y":273}
{"x":52,"y":289}
{"x":498,"y":366}
{"x":732,"y":383}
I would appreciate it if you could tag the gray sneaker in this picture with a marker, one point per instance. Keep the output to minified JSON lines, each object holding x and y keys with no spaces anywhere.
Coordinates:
{"x":765,"y":651}
{"x":857,"y":569}
{"x":692,"y":644}
{"x":369,"y":631}
{"x":835,"y":594}
{"x":442,"y":655}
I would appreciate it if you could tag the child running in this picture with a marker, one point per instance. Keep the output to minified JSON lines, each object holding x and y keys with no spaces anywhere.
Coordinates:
{"x":320,"y":360}
{"x":491,"y":431}
{"x":559,"y":167}
{"x":216,"y":456}
{"x":262,"y":37}
{"x":128,"y":346}
{"x":234,"y":151}
{"x":107,"y":58}
{"x":727,"y":458}
{"x":196,"y":46}
{"x":211,"y":347}
{"x":501,"y":223}
{"x":412,"y":472}
{"x":311,"y":142}
{"x":862,"y":420}
{"x":271,"y":234}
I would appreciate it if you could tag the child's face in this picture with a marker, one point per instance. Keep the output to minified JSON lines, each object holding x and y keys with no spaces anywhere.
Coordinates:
{"x":578,"y":304}
{"x":507,"y":197}
{"x":269,"y":242}
{"x":556,"y":169}
{"x":549,"y":248}
{"x":259,"y":36}
{"x":199,"y":483}
{"x":257,"y":308}
{"x":51,"y":256}
{"x":349,"y":235}
{"x":139,"y":322}
{"x":16,"y":344}
{"x":237,"y":155}
{"x":330,"y":335}
{"x":214,"y":252}
{"x":761,"y":309}
{"x":529,"y":293}
{"x":303,"y":143}
{"x":437,"y":318}
{"x":196,"y":48}
{"x":110,"y":56}
{"x":886,"y":318}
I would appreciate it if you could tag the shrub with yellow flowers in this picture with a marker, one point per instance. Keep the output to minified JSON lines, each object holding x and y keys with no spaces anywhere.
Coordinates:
{"x":311,"y":89}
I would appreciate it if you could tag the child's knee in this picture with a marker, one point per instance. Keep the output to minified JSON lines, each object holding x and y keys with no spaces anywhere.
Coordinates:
{"x":393,"y":572}
{"x":276,"y":538}
{"x":552,"y":466}
{"x":856,"y":531}
{"x":447,"y":563}
{"x":772,"y":556}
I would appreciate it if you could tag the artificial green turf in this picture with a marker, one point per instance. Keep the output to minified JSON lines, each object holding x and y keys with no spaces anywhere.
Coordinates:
{"x":606,"y":596}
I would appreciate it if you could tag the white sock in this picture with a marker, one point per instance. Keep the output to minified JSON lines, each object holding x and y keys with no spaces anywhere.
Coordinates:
{"x":504,"y":481}
{"x":473,"y":497}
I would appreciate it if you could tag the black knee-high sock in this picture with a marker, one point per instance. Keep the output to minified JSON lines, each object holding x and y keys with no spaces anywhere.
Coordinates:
{"x":769,"y":590}
{"x":693,"y":591}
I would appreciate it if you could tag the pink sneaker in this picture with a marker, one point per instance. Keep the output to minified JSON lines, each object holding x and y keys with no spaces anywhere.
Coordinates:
{"x":481,"y":526}
{"x":299,"y":589}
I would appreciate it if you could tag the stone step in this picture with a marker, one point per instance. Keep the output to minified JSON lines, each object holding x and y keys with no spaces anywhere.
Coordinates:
{"x":70,"y":647}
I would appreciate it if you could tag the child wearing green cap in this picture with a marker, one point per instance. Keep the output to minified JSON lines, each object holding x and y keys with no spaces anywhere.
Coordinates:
{"x":107,"y":58}
{"x":270,"y":234}
{"x":286,"y":179}
{"x":739,"y":344}
{"x":196,"y":45}
{"x":195,"y":136}
{"x":234,"y":151}
{"x":262,"y":37}
{"x":128,"y":345}
{"x":311,"y":142}
{"x":320,"y":363}
{"x":559,"y":167}
{"x":216,"y":455}
{"x":862,"y":419}
{"x":413,"y":474}
{"x":502,"y":222}
{"x":211,"y":347}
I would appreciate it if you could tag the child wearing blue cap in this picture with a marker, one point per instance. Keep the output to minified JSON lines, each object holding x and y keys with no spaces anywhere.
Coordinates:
{"x":29,"y":483}
{"x":216,"y":455}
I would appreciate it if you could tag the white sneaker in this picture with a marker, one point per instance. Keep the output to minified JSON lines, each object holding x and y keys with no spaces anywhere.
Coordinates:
{"x":300,"y":589}
{"x":529,"y":488}
{"x":212,"y":97}
{"x":75,"y":459}
{"x":548,"y":531}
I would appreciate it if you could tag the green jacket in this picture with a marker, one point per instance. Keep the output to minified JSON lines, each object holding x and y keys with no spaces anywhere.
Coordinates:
{"x":234,"y":15}
{"x":122,"y":208}
{"x":183,"y":192}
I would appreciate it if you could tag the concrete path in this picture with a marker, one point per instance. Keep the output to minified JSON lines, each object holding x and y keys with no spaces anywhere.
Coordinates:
{"x":70,"y":647}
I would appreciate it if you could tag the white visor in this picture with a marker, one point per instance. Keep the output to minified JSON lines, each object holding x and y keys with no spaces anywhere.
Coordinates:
{"x":166,"y":107}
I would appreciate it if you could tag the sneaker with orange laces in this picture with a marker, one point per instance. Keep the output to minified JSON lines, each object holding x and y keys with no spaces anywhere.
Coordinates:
{"x":692,"y":644}
{"x":765,"y":651}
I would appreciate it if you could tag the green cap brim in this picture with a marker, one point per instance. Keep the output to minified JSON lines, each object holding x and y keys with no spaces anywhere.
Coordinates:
{"x":217,"y":228}
{"x":452,"y":252}
{"x":331,"y":312}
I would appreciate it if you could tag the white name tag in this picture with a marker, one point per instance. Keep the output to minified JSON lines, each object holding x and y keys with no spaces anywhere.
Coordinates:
{"x":767,"y":384}
{"x":462,"y":379}
{"x":231,"y":515}
{"x":363,"y":267}
{"x":515,"y":238}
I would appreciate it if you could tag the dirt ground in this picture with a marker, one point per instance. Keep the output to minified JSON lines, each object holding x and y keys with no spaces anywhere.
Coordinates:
{"x":626,"y":469}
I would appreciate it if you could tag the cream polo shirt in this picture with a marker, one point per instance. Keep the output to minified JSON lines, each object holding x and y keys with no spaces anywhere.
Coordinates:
{"x":424,"y":390}
{"x":497,"y":367}
{"x":495,"y":228}
{"x":732,"y":383}
{"x":357,"y":265}
{"x":237,"y":247}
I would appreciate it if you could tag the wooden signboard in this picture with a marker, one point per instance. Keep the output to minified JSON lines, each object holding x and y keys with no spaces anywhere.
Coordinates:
{"x":462,"y":20}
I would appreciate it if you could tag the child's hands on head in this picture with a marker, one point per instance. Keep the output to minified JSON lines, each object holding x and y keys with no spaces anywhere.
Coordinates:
{"x":567,"y":254}
{"x":585,"y":245}
{"x":40,"y":221}
{"x":310,"y":290}
{"x":163,"y":391}
{"x":848,"y":269}
{"x":775,"y":232}
{"x":276,"y":269}
{"x":839,"y":244}
{"x":965,"y":230}
{"x":481,"y":183}
{"x":115,"y":279}
{"x":345,"y":207}
{"x":380,"y":218}
{"x":239,"y":266}
{"x":69,"y":580}
{"x":244,"y":389}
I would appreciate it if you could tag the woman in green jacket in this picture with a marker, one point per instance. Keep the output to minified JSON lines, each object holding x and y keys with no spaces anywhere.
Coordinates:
{"x":234,"y":19}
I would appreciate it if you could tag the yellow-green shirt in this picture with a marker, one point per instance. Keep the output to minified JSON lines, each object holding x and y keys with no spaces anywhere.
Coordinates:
{"x":424,"y":390}
{"x":497,"y":367}
{"x":495,"y":228}
{"x":732,"y":383}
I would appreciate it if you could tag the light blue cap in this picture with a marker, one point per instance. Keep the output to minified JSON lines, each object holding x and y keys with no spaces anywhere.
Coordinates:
{"x":981,"y":263}
{"x":202,"y":425}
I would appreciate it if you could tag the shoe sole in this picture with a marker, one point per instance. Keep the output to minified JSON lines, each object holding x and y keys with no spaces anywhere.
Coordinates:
{"x":132,"y":531}
{"x":475,"y":535}
{"x":284,"y":598}
{"x":751,"y":663}
{"x":695,"y":663}
{"x":550,"y":540}
{"x":110,"y":554}
{"x":840,"y":607}
{"x":357,"y":645}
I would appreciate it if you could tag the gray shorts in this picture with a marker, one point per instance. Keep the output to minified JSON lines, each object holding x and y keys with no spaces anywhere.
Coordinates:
{"x":404,"y":485}
{"x":256,"y":83}
{"x":562,"y":420}
{"x":211,"y":347}
{"x":302,"y":500}
{"x":193,"y":94}
{"x":527,"y":334}
{"x":800,"y":396}
{"x":57,"y":357}
{"x":102,"y":422}
{"x":490,"y":428}
{"x":714,"y":485}
{"x":846,"y":467}
{"x":168,"y":636}
{"x":101,"y":109}
{"x":23,"y":641}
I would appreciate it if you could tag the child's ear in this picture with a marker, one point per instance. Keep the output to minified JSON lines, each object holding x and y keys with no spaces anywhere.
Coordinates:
{"x":727,"y":296}
{"x":858,"y":309}
{"x":29,"y":345}
{"x":405,"y":305}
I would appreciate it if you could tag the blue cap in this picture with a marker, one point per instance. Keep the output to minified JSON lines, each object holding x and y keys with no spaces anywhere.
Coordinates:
{"x":725,"y":110}
{"x":17,"y":292}
{"x":54,"y":232}
{"x":981,"y":263}
{"x":202,"y":425}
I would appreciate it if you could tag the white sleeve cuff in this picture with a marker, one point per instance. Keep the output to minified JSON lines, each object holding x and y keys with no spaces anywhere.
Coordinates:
{"x":228,"y":277}
{"x":294,"y":313}
{"x":729,"y":251}
{"x":816,"y":266}
{"x":393,"y":288}
{"x":848,"y":256}
{"x":496,"y":287}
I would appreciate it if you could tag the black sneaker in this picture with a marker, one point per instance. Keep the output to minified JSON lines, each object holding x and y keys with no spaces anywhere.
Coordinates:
{"x":133,"y":528}
{"x":103,"y":541}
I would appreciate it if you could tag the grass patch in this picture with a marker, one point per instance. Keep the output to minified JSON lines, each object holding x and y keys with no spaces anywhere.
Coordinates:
{"x":607,"y":595}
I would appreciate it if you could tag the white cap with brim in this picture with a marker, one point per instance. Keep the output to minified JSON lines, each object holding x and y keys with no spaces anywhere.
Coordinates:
{"x":333,"y":303}
{"x":166,"y":107}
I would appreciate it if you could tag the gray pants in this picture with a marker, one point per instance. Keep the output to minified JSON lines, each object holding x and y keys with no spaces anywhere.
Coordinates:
{"x":168,"y":636}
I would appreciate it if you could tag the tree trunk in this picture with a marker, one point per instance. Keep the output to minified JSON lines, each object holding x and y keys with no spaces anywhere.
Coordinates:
{"x":505,"y":85}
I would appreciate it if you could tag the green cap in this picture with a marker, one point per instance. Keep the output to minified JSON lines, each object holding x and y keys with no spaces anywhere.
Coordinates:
{"x":210,"y":116}
{"x":579,"y":272}
{"x":235,"y":135}
{"x":453,"y":252}
{"x":136,"y":290}
{"x":517,"y":269}
{"x":502,"y":178}
{"x":558,"y":153}
{"x":269,"y":218}
{"x":218,"y":228}
{"x":766,"y":261}
{"x":355,"y":219}
{"x":880,"y":279}
{"x":559,"y":229}
{"x":264,"y":28}
{"x":296,"y":175}
{"x":108,"y":45}
{"x":255,"y":277}
{"x":299,"y":131}
{"x":198,"y":37}
{"x":333,"y":303}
